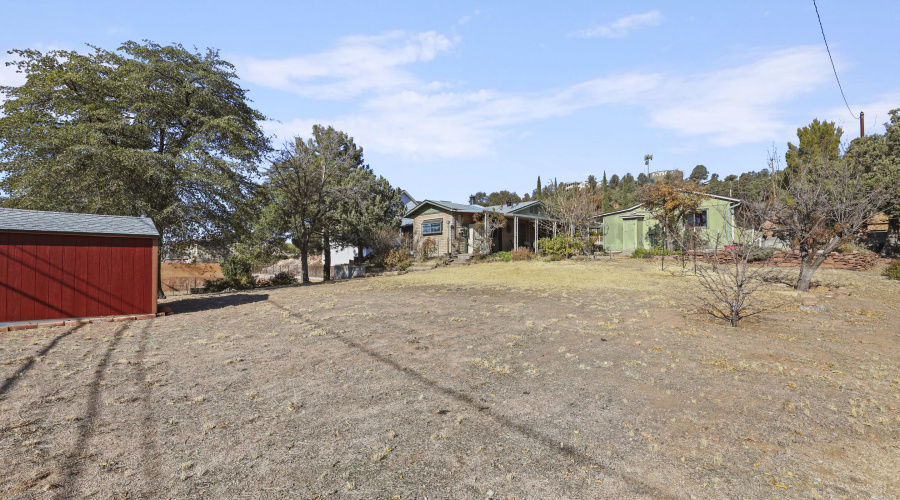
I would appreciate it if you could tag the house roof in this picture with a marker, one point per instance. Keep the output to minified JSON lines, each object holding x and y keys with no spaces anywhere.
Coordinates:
{"x":718,"y":197}
{"x":446,"y":205}
{"x":505,"y":209}
{"x":36,"y":221}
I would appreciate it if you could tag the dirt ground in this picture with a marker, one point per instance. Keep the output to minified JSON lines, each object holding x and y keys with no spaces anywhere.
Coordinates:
{"x":503,"y":380}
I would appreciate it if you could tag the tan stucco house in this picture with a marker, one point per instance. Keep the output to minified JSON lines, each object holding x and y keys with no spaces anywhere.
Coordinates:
{"x":454,"y":227}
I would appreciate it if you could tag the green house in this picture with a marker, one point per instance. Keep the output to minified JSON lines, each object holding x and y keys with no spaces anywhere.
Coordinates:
{"x":634,"y":227}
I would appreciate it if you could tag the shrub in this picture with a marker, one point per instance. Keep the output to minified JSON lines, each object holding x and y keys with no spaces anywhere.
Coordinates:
{"x":640,"y":253}
{"x":656,"y":252}
{"x":503,"y":256}
{"x":893,"y":270}
{"x":521,"y":254}
{"x":283,"y":278}
{"x":427,"y":248}
{"x":397,"y":260}
{"x":560,"y":245}
{"x":213,"y":286}
{"x":234,"y":267}
{"x":851,"y":247}
{"x":759,"y":253}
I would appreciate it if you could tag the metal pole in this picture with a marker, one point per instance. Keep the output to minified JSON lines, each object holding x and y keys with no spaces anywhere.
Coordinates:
{"x":515,"y":233}
{"x":862,"y":124}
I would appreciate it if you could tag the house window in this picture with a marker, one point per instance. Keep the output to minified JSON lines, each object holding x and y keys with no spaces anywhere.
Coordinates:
{"x":696,"y":219}
{"x":432,"y":226}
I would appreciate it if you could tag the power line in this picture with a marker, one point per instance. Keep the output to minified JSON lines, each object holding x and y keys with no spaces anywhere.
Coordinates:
{"x":832,"y":62}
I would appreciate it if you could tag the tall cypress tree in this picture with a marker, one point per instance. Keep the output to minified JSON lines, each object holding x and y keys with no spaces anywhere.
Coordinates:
{"x":604,"y":186}
{"x":537,"y":193}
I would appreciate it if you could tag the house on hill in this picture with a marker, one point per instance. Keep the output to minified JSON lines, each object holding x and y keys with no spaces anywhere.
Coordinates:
{"x":631,"y":228}
{"x":454,"y":227}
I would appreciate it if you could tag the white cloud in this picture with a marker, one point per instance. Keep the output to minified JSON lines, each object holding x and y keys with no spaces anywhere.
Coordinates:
{"x":357,"y":65}
{"x":624,"y":26}
{"x":743,"y":104}
{"x":468,"y":17}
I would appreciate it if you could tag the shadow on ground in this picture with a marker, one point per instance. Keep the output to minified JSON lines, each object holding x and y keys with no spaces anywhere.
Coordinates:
{"x":221,"y":301}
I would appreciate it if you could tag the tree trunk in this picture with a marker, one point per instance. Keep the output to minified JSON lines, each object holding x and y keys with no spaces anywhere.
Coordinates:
{"x":810,"y":260}
{"x":326,"y":256}
{"x":159,"y":291}
{"x":359,"y":252}
{"x":304,"y":258}
{"x":806,"y":274}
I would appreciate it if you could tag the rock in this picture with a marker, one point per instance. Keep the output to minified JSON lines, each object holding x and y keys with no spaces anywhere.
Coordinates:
{"x":808,"y":301}
{"x":815,"y":309}
{"x":165,"y":309}
{"x":122,"y":362}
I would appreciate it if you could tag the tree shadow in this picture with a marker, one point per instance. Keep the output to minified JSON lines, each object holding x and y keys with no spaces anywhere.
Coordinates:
{"x":12,"y":379}
{"x":213,"y":302}
{"x":569,"y":452}
{"x":150,"y":456}
{"x":74,"y":460}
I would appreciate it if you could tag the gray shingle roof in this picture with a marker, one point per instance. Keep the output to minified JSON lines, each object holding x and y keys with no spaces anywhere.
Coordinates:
{"x":505,"y":209}
{"x":460,"y":207}
{"x":59,"y":222}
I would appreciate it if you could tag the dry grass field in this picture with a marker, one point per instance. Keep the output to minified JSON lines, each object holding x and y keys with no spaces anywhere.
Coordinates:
{"x":517,"y":380}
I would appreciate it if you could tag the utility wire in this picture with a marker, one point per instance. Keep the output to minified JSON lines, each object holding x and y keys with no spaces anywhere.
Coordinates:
{"x":855,"y":117}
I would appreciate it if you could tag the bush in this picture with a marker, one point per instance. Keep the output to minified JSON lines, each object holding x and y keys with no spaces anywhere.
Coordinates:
{"x":397,"y":260}
{"x":893,"y":270}
{"x":851,"y":247}
{"x":503,"y":256}
{"x":234,"y":267}
{"x":640,"y":253}
{"x":427,"y":249}
{"x":283,"y":278}
{"x":245,"y":282}
{"x":521,"y":254}
{"x":560,"y":246}
{"x":759,"y":253}
{"x":656,"y":252}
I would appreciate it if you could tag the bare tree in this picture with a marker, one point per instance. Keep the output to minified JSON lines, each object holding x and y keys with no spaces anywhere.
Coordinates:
{"x":575,"y":210}
{"x":486,"y":223}
{"x":822,"y":204}
{"x":730,"y":274}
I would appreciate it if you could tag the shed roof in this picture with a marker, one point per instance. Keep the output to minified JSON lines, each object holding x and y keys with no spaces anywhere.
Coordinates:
{"x":36,"y":221}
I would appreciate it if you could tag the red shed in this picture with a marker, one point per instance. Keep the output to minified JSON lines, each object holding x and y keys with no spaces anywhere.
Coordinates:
{"x":60,"y":265}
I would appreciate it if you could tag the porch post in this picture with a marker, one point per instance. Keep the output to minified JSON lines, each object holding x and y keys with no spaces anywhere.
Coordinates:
{"x":536,"y":236}
{"x":516,"y":232}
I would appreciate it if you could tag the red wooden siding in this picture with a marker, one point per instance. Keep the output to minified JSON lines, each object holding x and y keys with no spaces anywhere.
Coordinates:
{"x":46,"y":276}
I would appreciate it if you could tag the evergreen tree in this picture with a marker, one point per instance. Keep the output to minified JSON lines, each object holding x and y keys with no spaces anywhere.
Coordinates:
{"x":605,"y":192}
{"x":537,"y":193}
{"x":148,"y":130}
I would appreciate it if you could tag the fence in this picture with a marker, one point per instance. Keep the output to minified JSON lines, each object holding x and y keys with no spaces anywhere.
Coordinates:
{"x":182,"y":284}
{"x":315,"y":270}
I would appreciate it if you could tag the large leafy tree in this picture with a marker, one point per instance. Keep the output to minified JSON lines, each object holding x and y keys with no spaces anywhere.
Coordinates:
{"x":359,"y":218}
{"x":149,"y":130}
{"x":309,"y":182}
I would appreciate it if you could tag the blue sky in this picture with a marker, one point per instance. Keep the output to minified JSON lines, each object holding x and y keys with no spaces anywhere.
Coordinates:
{"x":450,"y":98}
